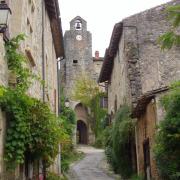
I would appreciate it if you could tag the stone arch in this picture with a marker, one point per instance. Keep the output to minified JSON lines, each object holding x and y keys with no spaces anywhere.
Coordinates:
{"x":82,"y":132}
{"x":81,"y":112}
{"x":82,"y":129}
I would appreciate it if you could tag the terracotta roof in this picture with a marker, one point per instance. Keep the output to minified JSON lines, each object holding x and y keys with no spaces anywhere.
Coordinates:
{"x":98,"y":59}
{"x":144,"y":100}
{"x":110,"y":53}
{"x":52,"y":7}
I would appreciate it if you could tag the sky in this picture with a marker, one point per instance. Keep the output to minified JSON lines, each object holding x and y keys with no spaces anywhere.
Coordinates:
{"x":101,"y":16}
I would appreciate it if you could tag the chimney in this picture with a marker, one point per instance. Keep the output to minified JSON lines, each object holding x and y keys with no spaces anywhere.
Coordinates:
{"x":97,"y":54}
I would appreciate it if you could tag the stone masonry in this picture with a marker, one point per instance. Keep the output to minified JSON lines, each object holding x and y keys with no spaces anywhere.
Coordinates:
{"x":78,"y":53}
{"x":79,"y":61}
{"x":145,"y":66}
{"x":34,"y":19}
{"x":140,"y":68}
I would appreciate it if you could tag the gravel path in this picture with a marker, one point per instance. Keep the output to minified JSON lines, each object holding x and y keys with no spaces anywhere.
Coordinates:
{"x":89,"y":167}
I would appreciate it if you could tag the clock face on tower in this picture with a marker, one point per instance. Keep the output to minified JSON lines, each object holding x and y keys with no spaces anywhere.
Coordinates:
{"x":79,"y":37}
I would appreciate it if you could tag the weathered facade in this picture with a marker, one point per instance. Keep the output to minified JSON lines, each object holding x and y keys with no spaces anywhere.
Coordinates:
{"x":40,"y":21}
{"x":134,"y":65}
{"x":78,"y":52}
{"x":79,"y":61}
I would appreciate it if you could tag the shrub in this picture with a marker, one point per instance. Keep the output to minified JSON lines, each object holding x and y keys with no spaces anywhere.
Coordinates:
{"x":118,"y":143}
{"x":167,"y":147}
{"x":53,"y":176}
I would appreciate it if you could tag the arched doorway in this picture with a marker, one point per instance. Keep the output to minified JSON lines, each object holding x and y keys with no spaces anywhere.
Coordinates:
{"x":82,"y":134}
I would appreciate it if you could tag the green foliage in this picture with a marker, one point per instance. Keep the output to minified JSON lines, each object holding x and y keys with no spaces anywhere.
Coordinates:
{"x":167,"y":148}
{"x":103,"y":136}
{"x":85,"y":90}
{"x":53,"y":176}
{"x":31,"y":128}
{"x":68,"y":121}
{"x":136,"y":177}
{"x":174,"y":15}
{"x":46,"y":132}
{"x":171,"y":38}
{"x":88,"y":92}
{"x":118,"y":144}
{"x":17,"y":63}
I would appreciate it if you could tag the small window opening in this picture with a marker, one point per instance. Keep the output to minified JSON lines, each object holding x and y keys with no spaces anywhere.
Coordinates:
{"x":75,"y":61}
{"x":78,"y":25}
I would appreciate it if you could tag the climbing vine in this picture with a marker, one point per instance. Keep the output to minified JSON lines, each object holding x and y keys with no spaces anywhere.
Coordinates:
{"x":31,"y":126}
{"x":17,"y":63}
{"x":87,"y":91}
{"x":167,"y":147}
{"x":118,"y":143}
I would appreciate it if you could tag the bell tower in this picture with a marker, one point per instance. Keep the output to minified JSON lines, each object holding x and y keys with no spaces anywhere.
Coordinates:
{"x":78,"y":60}
{"x":78,"y":52}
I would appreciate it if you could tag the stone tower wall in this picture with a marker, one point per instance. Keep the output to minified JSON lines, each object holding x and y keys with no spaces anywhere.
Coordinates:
{"x":78,"y":55}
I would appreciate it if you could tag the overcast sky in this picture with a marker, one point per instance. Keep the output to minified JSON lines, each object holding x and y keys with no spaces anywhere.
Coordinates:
{"x":101,"y":15}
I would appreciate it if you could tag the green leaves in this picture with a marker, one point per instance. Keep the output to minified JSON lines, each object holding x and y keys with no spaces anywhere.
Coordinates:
{"x":33,"y":128}
{"x":174,"y":15}
{"x":87,"y":91}
{"x":17,"y":64}
{"x":168,"y":40}
{"x":171,"y":38}
{"x":118,"y":143}
{"x":167,"y":147}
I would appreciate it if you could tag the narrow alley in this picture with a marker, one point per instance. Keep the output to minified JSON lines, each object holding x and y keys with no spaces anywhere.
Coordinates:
{"x":92,"y":167}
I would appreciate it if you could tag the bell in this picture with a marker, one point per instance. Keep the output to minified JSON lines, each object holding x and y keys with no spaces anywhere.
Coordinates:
{"x":78,"y":25}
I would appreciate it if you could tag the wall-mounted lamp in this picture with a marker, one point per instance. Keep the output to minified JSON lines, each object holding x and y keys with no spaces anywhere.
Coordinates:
{"x":5,"y":11}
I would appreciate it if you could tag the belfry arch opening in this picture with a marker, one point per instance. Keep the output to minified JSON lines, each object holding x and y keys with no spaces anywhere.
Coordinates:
{"x":82,"y":132}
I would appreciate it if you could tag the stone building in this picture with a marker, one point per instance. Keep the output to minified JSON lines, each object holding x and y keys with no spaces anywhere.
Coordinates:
{"x":40,"y":21}
{"x":138,"y":73}
{"x":79,"y":61}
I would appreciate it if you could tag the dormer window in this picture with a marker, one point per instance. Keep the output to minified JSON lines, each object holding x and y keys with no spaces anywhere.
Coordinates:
{"x":78,"y":25}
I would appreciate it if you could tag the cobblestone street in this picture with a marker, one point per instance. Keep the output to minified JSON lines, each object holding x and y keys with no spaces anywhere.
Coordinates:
{"x":92,"y":167}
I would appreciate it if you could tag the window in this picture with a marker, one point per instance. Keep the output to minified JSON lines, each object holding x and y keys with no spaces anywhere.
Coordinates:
{"x":115,"y":104}
{"x":78,"y":25}
{"x":75,"y":61}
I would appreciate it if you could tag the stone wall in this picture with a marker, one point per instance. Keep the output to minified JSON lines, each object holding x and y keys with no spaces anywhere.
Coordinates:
{"x":3,"y":64}
{"x":27,"y":18}
{"x":78,"y":54}
{"x":141,"y":66}
{"x":3,"y":82}
{"x":157,"y":68}
{"x":97,"y":64}
{"x":147,"y":67}
{"x":119,"y":86}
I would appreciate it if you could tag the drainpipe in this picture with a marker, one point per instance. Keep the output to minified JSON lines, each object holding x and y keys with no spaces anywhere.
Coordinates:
{"x":58,"y":79}
{"x":42,"y":168}
{"x":43,"y":48}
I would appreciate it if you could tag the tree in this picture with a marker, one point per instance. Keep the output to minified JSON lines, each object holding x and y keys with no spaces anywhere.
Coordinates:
{"x":167,"y":147}
{"x":171,"y":38}
{"x":87,"y":91}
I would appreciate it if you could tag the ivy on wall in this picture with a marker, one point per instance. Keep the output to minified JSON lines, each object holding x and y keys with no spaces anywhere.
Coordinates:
{"x":32,"y":128}
{"x":87,"y":91}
